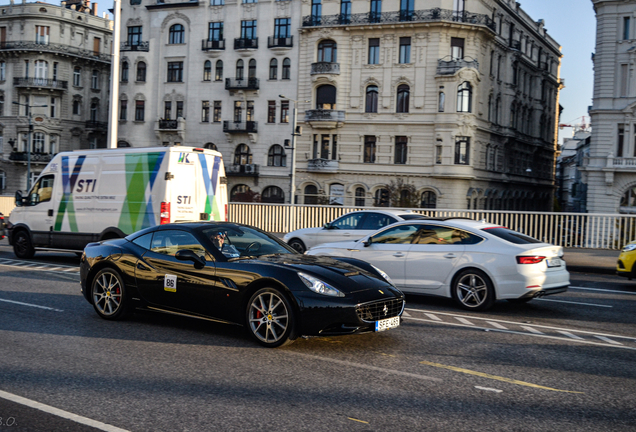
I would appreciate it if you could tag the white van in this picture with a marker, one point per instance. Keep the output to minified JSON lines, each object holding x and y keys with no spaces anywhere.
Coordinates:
{"x":91,"y":195}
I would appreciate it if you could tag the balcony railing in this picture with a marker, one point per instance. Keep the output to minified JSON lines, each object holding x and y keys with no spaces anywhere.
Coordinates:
{"x":622,"y":162}
{"x":55,"y":48}
{"x":35,"y":157}
{"x":427,"y":15}
{"x":93,"y":124}
{"x":515,"y":44}
{"x":208,"y":45}
{"x":325,"y":68}
{"x":240,"y":127}
{"x":40,"y":82}
{"x":322,"y":165}
{"x":135,"y":46}
{"x":241,"y":84}
{"x":242,"y":43}
{"x":242,"y":170}
{"x":449,"y":66}
{"x":325,"y":115}
{"x":280,"y":42}
{"x":168,"y":124}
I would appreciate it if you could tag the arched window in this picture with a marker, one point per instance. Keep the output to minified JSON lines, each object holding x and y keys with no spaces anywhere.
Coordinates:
{"x":77,"y":77}
{"x":276,"y":156}
{"x":94,"y":112}
{"x":218,"y":72}
{"x":210,"y":146}
{"x":326,"y":97}
{"x":327,"y":51}
{"x":251,"y":69}
{"x":464,"y":97}
{"x":176,"y":34}
{"x":286,"y":69}
{"x":122,"y":144}
{"x":141,"y":71}
{"x":273,"y":194}
{"x":242,"y":155}
{"x":381,"y":198}
{"x":403,"y":92}
{"x":371,"y":105}
{"x":207,"y":70}
{"x":311,"y":194}
{"x":240,"y":193}
{"x":76,"y":107}
{"x":239,"y":69}
{"x":124,"y":71}
{"x":273,"y":69}
{"x":428,"y":200}
{"x":360,"y":197}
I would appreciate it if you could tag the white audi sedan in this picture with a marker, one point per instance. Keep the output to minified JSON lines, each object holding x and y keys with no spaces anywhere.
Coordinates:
{"x":350,"y":226}
{"x":474,"y":263}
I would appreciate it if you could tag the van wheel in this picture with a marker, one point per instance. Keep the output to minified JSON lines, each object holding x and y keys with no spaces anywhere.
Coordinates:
{"x":22,"y":245}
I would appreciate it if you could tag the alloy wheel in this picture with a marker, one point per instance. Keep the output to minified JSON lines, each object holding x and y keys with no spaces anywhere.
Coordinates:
{"x":472,"y":290}
{"x":268,"y":317}
{"x":107,"y":293}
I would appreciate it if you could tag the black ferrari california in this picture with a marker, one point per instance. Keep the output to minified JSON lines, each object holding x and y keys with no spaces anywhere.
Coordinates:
{"x":237,"y":274}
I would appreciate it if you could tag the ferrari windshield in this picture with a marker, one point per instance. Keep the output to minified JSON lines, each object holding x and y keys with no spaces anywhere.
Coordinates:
{"x":241,"y":241}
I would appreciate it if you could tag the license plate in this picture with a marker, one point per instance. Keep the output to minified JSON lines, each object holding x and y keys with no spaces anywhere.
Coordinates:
{"x":387,"y":324}
{"x":554,"y":262}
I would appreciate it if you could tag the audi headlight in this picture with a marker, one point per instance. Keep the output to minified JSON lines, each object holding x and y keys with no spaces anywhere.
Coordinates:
{"x":318,"y":286}
{"x":629,"y":247}
{"x":383,"y":274}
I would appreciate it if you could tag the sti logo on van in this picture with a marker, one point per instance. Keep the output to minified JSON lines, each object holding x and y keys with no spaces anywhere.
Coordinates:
{"x":87,"y":185}
{"x":184,"y":158}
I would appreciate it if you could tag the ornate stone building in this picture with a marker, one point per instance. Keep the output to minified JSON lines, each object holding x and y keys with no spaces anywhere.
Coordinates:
{"x":452,"y":103}
{"x":54,"y":75}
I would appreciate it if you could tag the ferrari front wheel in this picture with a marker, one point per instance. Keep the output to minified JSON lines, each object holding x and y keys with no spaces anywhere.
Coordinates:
{"x":270,"y":318}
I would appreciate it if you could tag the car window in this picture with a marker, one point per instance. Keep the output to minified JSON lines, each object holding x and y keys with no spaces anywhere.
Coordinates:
{"x":401,"y":234}
{"x":43,"y":189}
{"x":443,"y":235}
{"x":349,"y":221}
{"x":169,"y":242}
{"x":511,"y":236}
{"x":239,"y":240}
{"x":411,"y":216}
{"x":375,"y":221}
{"x":143,"y":241}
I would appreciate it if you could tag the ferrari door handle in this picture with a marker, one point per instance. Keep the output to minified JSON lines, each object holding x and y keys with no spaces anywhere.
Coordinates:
{"x":398,"y":254}
{"x":450,"y":255}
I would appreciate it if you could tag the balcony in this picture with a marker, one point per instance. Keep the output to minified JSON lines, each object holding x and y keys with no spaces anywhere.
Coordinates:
{"x":427,"y":15}
{"x":40,"y":83}
{"x":324,"y":118}
{"x":622,"y":162}
{"x":325,"y":68}
{"x":242,"y":43}
{"x":450,"y":66}
{"x":38,"y":158}
{"x":135,"y":46}
{"x":96,"y":125}
{"x":280,"y":42}
{"x":247,"y":170}
{"x":240,"y":127}
{"x":168,"y":124}
{"x":212,"y":45}
{"x":241,"y":84}
{"x":60,"y":49}
{"x":322,"y":165}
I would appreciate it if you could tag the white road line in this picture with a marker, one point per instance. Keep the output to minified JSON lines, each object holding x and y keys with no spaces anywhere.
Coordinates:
{"x":608,"y":340}
{"x":31,"y":305}
{"x":496,"y":324}
{"x":406,"y":314}
{"x":463,"y":320}
{"x":489,"y":389}
{"x":531,"y":329}
{"x":604,"y":290}
{"x":568,"y":334}
{"x":578,"y":303}
{"x":433,"y":317}
{"x":60,"y":413}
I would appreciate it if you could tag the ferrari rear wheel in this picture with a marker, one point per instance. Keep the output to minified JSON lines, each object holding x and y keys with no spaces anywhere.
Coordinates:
{"x":270,"y":318}
{"x":473,"y":290}
{"x":109,"y":295}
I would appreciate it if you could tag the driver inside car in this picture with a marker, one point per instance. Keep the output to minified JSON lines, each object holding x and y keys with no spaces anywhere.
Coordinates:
{"x":218,"y":239}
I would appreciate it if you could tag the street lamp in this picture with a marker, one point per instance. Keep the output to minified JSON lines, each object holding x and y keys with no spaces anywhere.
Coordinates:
{"x":28,"y":149}
{"x":296,"y":131}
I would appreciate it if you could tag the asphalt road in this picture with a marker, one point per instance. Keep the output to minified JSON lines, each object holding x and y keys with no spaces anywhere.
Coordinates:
{"x":566,"y":362}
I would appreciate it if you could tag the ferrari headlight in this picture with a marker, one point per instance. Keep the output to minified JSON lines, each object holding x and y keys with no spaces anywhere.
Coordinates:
{"x":629,"y":247}
{"x":383,"y":273}
{"x":318,"y":286}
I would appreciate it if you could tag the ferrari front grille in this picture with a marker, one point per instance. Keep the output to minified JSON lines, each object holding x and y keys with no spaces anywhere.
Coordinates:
{"x":380,"y":310}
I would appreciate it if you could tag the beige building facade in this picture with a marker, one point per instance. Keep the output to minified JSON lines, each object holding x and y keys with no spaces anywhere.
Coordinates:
{"x":427,"y":103}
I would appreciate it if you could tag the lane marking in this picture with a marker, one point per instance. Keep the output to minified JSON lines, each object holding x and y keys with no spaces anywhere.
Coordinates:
{"x":361,"y":421}
{"x":608,"y":340}
{"x":60,"y":413}
{"x":604,"y":290}
{"x":571,"y":302}
{"x":495,"y":377}
{"x":431,"y":316}
{"x":31,"y":305}
{"x":496,"y":324}
{"x":568,"y":334}
{"x":531,"y":330}
{"x":464,"y":320}
{"x":488,"y":389}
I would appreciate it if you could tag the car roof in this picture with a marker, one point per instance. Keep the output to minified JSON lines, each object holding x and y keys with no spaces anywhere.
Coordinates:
{"x":397,"y":212}
{"x":455,"y":222}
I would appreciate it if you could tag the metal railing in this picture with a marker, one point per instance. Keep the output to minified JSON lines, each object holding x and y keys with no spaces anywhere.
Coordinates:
{"x":136,"y":46}
{"x":208,"y":45}
{"x":244,"y":43}
{"x":241,"y":83}
{"x":240,"y":127}
{"x":35,"y":157}
{"x":449,"y":65}
{"x":168,"y":124}
{"x":94,"y":124}
{"x":280,"y":42}
{"x":55,"y":48}
{"x":325,"y":68}
{"x":40,"y":82}
{"x":324,"y":115}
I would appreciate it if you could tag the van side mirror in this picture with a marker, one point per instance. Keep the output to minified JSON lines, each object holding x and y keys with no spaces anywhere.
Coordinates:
{"x":189,"y":255}
{"x":18,"y":199}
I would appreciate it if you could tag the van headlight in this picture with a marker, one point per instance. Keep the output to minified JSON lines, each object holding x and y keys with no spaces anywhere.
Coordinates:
{"x":318,"y":286}
{"x":383,"y":274}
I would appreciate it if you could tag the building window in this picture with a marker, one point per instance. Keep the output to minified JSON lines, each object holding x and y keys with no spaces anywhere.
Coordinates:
{"x":53,"y":107}
{"x":401,"y":150}
{"x":205,"y":111}
{"x":441,"y":102}
{"x":375,"y":13}
{"x":217,"y":2}
{"x":242,"y":155}
{"x":95,"y":80}
{"x":403,"y":92}
{"x":316,"y":11}
{"x":271,"y":111}
{"x":405,"y":50}
{"x":77,"y":77}
{"x":428,"y":200}
{"x":134,"y":36}
{"x":238,"y":111}
{"x":76,"y":107}
{"x":624,"y":77}
{"x":207,"y":71}
{"x":464,"y":97}
{"x":371,"y":105}
{"x":311,"y":194}
{"x":251,"y":69}
{"x":621,"y":141}
{"x":55,"y":68}
{"x":276,"y":156}
{"x":94,"y":112}
{"x":139,"y":110}
{"x":176,"y":34}
{"x":328,"y":51}
{"x":369,"y":149}
{"x":322,"y":145}
{"x":123,"y":109}
{"x":248,"y":29}
{"x":360,"y":197}
{"x":3,"y":71}
{"x":42,"y":35}
{"x":38,"y":142}
{"x":273,"y":69}
{"x":282,"y":28}
{"x":462,"y":150}
{"x":249,"y":111}
{"x":240,"y":67}
{"x":218,"y":71}
{"x":381,"y":198}
{"x":216,"y":116}
{"x":457,"y":48}
{"x":124,"y":71}
{"x":141,"y":72}
{"x":326,"y":97}
{"x":273,"y":194}
{"x":438,"y":154}
{"x":179,"y":110}
{"x":210,"y":146}
{"x":284,"y":111}
{"x":175,"y":71}
{"x":215,"y":31}
{"x":345,"y":11}
{"x":374,"y":51}
{"x":286,"y":69}
{"x":406,"y":10}
{"x":3,"y":180}
{"x":626,"y":29}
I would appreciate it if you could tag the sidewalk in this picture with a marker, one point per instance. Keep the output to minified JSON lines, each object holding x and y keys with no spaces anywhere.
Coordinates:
{"x":591,"y":260}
